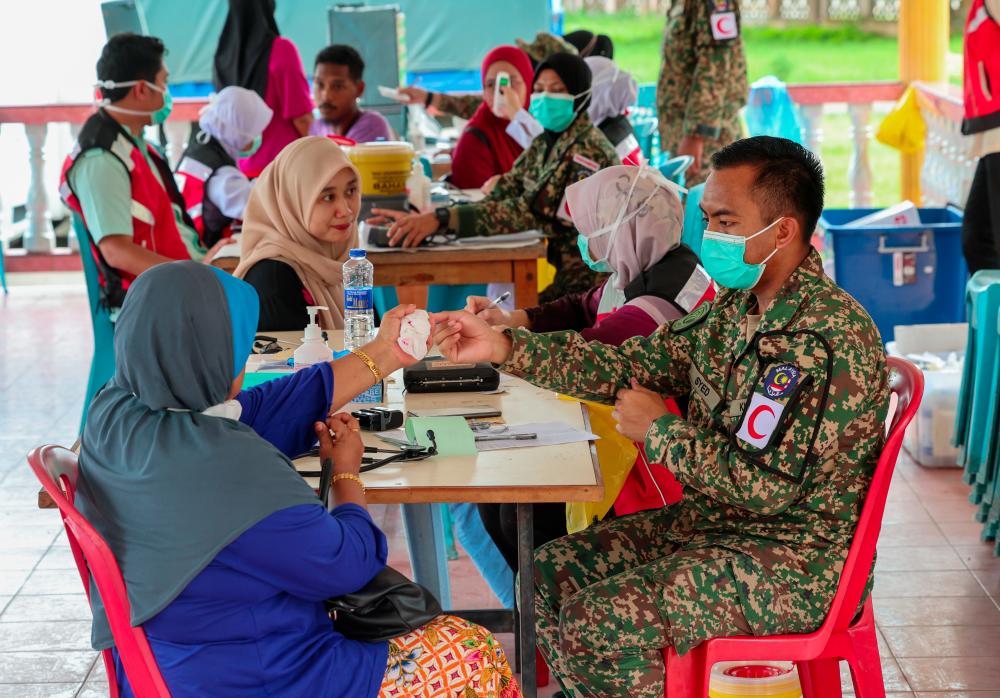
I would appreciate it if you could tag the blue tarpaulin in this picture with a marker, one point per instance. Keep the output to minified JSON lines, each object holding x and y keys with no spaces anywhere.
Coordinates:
{"x":439,"y":35}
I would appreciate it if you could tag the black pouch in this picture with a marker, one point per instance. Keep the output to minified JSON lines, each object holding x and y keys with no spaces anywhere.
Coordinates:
{"x":389,"y":606}
{"x":436,"y":374}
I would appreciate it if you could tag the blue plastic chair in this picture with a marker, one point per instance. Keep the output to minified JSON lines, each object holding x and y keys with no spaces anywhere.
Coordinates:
{"x":674,"y":169}
{"x":974,"y":433}
{"x":102,"y":365}
{"x":3,"y":274}
{"x":694,"y":223}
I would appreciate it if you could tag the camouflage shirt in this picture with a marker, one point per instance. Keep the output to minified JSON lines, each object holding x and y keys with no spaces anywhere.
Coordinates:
{"x":462,"y":106}
{"x":703,"y":80}
{"x":782,"y":437}
{"x":544,"y":45}
{"x":532,"y":196}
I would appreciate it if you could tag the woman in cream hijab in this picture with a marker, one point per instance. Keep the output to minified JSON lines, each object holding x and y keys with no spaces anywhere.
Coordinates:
{"x":299,"y":226}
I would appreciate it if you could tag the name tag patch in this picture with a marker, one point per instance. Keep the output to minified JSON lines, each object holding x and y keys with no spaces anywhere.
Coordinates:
{"x":702,"y":389}
{"x":586,"y":162}
{"x":724,"y":26}
{"x":762,"y":418}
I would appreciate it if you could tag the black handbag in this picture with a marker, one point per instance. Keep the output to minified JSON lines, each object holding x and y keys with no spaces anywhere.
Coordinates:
{"x":388,"y":606}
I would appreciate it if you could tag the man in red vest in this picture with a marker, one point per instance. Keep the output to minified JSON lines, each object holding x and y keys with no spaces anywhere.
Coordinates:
{"x":118,"y":183}
{"x":981,"y":227}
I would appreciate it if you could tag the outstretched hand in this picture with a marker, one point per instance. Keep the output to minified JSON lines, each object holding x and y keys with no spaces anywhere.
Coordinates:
{"x":464,"y":338}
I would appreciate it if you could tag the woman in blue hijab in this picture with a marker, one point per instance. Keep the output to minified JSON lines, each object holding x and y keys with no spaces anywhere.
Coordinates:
{"x":226,"y":553}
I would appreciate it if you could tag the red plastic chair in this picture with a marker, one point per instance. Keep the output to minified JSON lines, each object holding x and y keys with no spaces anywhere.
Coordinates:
{"x":817,"y":655}
{"x":56,"y":469}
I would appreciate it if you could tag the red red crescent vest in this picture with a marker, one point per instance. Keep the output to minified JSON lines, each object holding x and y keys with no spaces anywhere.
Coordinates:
{"x":982,"y":70}
{"x":198,"y":165}
{"x":153,"y":224}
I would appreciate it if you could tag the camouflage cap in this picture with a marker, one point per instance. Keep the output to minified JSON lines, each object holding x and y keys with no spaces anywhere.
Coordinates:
{"x":545,"y":45}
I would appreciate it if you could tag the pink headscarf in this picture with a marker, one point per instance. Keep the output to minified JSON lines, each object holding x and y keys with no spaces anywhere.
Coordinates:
{"x":651,"y":226}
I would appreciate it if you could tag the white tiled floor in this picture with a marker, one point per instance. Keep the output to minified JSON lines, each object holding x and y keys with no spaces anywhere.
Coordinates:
{"x":936,"y":593}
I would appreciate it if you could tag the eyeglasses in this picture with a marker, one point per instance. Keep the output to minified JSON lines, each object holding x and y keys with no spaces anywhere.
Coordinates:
{"x":262,"y":344}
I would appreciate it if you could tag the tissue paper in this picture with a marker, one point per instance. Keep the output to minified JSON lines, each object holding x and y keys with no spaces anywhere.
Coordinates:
{"x":413,"y":334}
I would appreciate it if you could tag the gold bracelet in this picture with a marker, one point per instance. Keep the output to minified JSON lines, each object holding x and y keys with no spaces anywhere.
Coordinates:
{"x":349,"y":476}
{"x":370,"y":363}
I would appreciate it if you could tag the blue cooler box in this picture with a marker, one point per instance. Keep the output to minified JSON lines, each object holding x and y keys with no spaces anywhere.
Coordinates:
{"x":902,"y":275}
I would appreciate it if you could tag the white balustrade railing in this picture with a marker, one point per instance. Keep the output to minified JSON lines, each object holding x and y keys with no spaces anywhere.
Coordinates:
{"x":949,"y":160}
{"x":945,"y":178}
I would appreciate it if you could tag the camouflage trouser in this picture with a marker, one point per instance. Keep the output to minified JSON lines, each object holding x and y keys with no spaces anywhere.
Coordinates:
{"x":609,"y":598}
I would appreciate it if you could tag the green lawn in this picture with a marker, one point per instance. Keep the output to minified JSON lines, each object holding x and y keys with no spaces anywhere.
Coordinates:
{"x":794,"y":54}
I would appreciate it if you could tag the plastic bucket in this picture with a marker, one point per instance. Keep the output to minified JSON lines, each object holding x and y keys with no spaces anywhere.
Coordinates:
{"x":756,"y":678}
{"x":384,"y":166}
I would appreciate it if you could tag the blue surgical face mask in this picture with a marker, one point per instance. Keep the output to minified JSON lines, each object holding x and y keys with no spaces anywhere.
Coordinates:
{"x":554,"y":110}
{"x":254,"y":147}
{"x":155,"y":117}
{"x":601,"y":266}
{"x":722,"y":255}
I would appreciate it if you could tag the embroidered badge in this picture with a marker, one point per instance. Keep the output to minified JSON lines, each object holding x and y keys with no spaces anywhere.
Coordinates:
{"x":762,"y":417}
{"x":724,"y":26}
{"x":692,"y":318}
{"x":781,"y":380}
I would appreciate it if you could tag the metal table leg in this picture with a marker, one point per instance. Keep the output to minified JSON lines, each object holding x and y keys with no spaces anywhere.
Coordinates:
{"x":526,"y":597}
{"x":424,"y":529}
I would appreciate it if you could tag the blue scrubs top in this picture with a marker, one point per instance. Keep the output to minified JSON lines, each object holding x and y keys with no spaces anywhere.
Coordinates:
{"x":252,"y":623}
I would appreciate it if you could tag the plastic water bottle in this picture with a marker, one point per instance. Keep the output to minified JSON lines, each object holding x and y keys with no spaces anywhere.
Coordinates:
{"x":359,"y":310}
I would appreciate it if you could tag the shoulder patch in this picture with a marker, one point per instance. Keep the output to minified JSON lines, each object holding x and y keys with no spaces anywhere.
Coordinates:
{"x":692,"y":319}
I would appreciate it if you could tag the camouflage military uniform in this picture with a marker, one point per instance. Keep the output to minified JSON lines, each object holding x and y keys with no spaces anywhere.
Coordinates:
{"x":757,"y":544}
{"x":531,"y":195}
{"x":462,"y":106}
{"x":703,"y":82}
{"x":544,"y":45}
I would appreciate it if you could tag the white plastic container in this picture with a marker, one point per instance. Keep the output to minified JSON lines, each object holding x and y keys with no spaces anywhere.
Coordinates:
{"x":418,"y":188}
{"x":313,"y":350}
{"x":939,"y":351}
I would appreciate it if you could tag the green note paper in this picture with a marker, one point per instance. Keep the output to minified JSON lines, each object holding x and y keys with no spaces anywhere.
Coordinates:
{"x":453,"y":435}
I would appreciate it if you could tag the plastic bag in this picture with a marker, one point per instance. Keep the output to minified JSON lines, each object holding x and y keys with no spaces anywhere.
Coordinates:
{"x":903,"y":128}
{"x":770,"y":111}
{"x":616,"y":454}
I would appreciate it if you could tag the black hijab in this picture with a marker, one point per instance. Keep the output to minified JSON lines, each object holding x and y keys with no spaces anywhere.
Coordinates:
{"x":575,"y":75}
{"x":589,"y":44}
{"x":167,"y":484}
{"x":244,"y":49}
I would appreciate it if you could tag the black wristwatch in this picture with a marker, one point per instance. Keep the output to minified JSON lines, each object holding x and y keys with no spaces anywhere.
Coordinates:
{"x":428,"y":99}
{"x":443,"y":214}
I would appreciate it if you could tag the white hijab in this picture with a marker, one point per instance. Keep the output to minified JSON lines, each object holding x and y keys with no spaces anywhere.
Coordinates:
{"x":615,"y":90}
{"x":235,"y":116}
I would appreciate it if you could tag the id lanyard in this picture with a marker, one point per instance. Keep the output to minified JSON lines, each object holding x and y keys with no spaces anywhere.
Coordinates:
{"x":811,"y":455}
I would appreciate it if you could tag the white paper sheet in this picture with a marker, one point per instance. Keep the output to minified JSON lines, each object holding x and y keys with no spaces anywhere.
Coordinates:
{"x":549,"y":434}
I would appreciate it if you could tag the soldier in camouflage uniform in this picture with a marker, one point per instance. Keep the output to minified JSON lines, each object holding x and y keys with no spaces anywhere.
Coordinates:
{"x":464,"y":106}
{"x":703,"y":81}
{"x":782,"y":436}
{"x":530,"y":196}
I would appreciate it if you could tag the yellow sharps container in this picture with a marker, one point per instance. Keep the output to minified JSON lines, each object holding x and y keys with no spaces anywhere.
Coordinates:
{"x":756,"y":678}
{"x":384,"y":166}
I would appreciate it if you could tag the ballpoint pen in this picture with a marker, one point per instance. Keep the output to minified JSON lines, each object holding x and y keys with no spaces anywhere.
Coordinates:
{"x":498,"y":300}
{"x":506,"y":437}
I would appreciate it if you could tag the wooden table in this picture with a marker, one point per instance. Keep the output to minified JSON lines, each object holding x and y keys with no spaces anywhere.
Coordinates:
{"x":566,"y":473}
{"x":412,"y":272}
